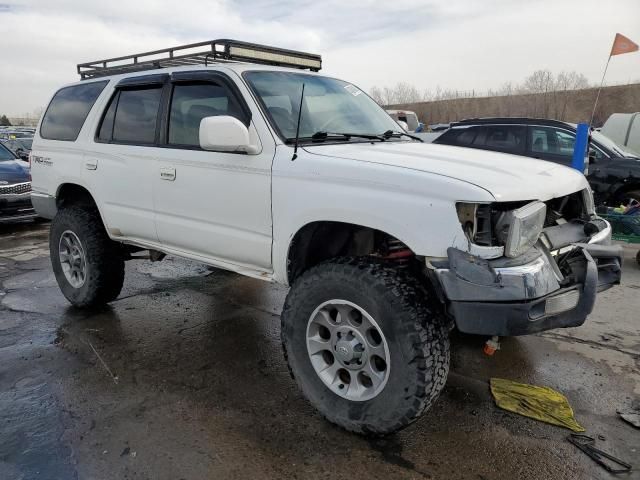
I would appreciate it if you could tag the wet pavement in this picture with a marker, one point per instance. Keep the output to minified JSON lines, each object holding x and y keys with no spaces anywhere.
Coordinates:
{"x":183,"y":378}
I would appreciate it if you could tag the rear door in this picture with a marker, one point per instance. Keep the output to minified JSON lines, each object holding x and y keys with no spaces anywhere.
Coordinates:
{"x":503,"y":138}
{"x":459,"y":136}
{"x":121,"y":166}
{"x":498,"y":138}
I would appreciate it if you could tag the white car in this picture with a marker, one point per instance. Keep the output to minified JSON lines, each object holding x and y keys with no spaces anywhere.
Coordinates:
{"x":289,"y":176}
{"x":407,"y":119}
{"x":624,"y":130}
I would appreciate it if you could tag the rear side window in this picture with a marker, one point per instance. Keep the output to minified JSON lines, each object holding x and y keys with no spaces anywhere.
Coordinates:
{"x":506,"y":138}
{"x":136,"y":115}
{"x":68,"y":110}
{"x":462,"y":137}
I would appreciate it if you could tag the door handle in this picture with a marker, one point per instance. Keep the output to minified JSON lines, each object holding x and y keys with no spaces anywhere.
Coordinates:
{"x":91,"y":164}
{"x":168,"y":174}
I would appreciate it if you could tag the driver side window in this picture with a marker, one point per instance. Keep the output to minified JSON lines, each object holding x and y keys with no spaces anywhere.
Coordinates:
{"x":192,"y":102}
{"x":551,"y":141}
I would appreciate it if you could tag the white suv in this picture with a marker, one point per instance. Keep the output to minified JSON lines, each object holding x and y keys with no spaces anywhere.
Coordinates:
{"x":288,"y":176}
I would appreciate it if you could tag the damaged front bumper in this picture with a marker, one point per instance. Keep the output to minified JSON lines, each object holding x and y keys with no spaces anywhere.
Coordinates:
{"x":530,"y":293}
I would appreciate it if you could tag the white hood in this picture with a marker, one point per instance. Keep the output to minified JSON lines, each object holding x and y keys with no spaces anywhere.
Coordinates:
{"x":506,"y":177}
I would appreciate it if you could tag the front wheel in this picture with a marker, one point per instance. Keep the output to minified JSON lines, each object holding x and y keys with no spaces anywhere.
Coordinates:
{"x":365,"y":344}
{"x":88,"y":265}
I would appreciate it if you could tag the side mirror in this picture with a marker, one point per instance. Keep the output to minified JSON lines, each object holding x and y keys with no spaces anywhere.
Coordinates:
{"x":225,"y":134}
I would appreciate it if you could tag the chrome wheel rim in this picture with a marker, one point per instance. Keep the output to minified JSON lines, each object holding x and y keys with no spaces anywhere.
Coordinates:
{"x":348,"y":350}
{"x":72,"y":259}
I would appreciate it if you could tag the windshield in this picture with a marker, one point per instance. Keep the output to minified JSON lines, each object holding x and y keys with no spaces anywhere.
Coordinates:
{"x":611,"y":145}
{"x":6,"y":154}
{"x":329,"y":105}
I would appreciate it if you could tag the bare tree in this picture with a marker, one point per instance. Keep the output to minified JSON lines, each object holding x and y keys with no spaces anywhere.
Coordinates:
{"x":540,"y":83}
{"x":377,"y":94}
{"x":542,"y":94}
{"x":565,"y":83}
{"x":401,"y":93}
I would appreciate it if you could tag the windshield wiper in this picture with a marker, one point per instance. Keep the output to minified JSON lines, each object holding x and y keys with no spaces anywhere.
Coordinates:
{"x":390,"y":134}
{"x":321,"y":136}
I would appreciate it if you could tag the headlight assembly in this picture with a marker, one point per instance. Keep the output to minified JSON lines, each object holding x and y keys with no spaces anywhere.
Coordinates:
{"x":520,"y":229}
{"x":587,"y":199}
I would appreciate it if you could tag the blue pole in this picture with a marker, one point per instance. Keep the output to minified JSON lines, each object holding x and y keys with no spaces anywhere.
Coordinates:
{"x":580,"y":147}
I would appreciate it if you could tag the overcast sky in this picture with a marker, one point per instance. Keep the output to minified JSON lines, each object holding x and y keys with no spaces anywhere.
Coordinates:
{"x":453,"y":44}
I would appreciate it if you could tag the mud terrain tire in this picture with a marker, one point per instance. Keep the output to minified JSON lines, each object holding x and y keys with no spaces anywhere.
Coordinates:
{"x":103,"y":258}
{"x":416,"y":333}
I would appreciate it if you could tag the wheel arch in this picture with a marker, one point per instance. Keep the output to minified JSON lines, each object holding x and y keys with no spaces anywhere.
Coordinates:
{"x":73,"y":193}
{"x":321,"y":240}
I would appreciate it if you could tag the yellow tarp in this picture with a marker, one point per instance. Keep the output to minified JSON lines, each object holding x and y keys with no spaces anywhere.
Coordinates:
{"x":541,"y":403}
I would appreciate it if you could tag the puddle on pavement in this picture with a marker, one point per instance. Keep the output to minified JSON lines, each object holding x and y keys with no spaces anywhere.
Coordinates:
{"x":203,"y":390}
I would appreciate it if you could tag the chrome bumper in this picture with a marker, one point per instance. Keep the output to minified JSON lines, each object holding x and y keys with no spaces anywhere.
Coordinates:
{"x":15,"y":206}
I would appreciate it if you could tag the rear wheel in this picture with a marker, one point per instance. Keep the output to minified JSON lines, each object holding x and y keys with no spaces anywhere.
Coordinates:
{"x":88,"y":265}
{"x":365,"y":344}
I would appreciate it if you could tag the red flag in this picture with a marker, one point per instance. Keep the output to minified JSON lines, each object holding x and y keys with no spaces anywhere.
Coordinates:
{"x":622,"y":44}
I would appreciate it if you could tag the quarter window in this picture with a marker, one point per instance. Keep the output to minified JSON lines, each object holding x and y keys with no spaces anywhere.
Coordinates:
{"x":191,"y":103}
{"x":136,"y":115}
{"x":68,"y":110}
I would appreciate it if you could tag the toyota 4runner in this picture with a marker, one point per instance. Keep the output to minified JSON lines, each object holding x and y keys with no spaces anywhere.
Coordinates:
{"x":243,"y":157}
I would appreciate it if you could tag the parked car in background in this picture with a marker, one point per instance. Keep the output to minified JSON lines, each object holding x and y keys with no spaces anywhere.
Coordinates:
{"x":15,"y":188}
{"x":20,"y":146}
{"x":613,"y":172}
{"x":624,"y":129}
{"x":410,"y":119}
{"x":11,"y":134}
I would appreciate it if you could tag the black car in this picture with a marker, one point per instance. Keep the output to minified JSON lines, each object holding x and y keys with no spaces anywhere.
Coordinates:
{"x":15,"y":188}
{"x":613,"y":173}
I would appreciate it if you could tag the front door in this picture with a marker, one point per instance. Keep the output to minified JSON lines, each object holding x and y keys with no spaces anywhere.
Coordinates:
{"x":214,"y":206}
{"x":552,"y":144}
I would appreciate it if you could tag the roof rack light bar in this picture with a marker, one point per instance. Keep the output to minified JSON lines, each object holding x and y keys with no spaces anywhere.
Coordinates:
{"x":202,"y":53}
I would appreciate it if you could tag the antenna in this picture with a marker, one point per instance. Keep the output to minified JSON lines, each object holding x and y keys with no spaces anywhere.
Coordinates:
{"x":295,"y":145}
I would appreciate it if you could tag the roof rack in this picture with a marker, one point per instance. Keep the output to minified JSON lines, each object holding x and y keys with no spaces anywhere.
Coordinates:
{"x":202,"y":53}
